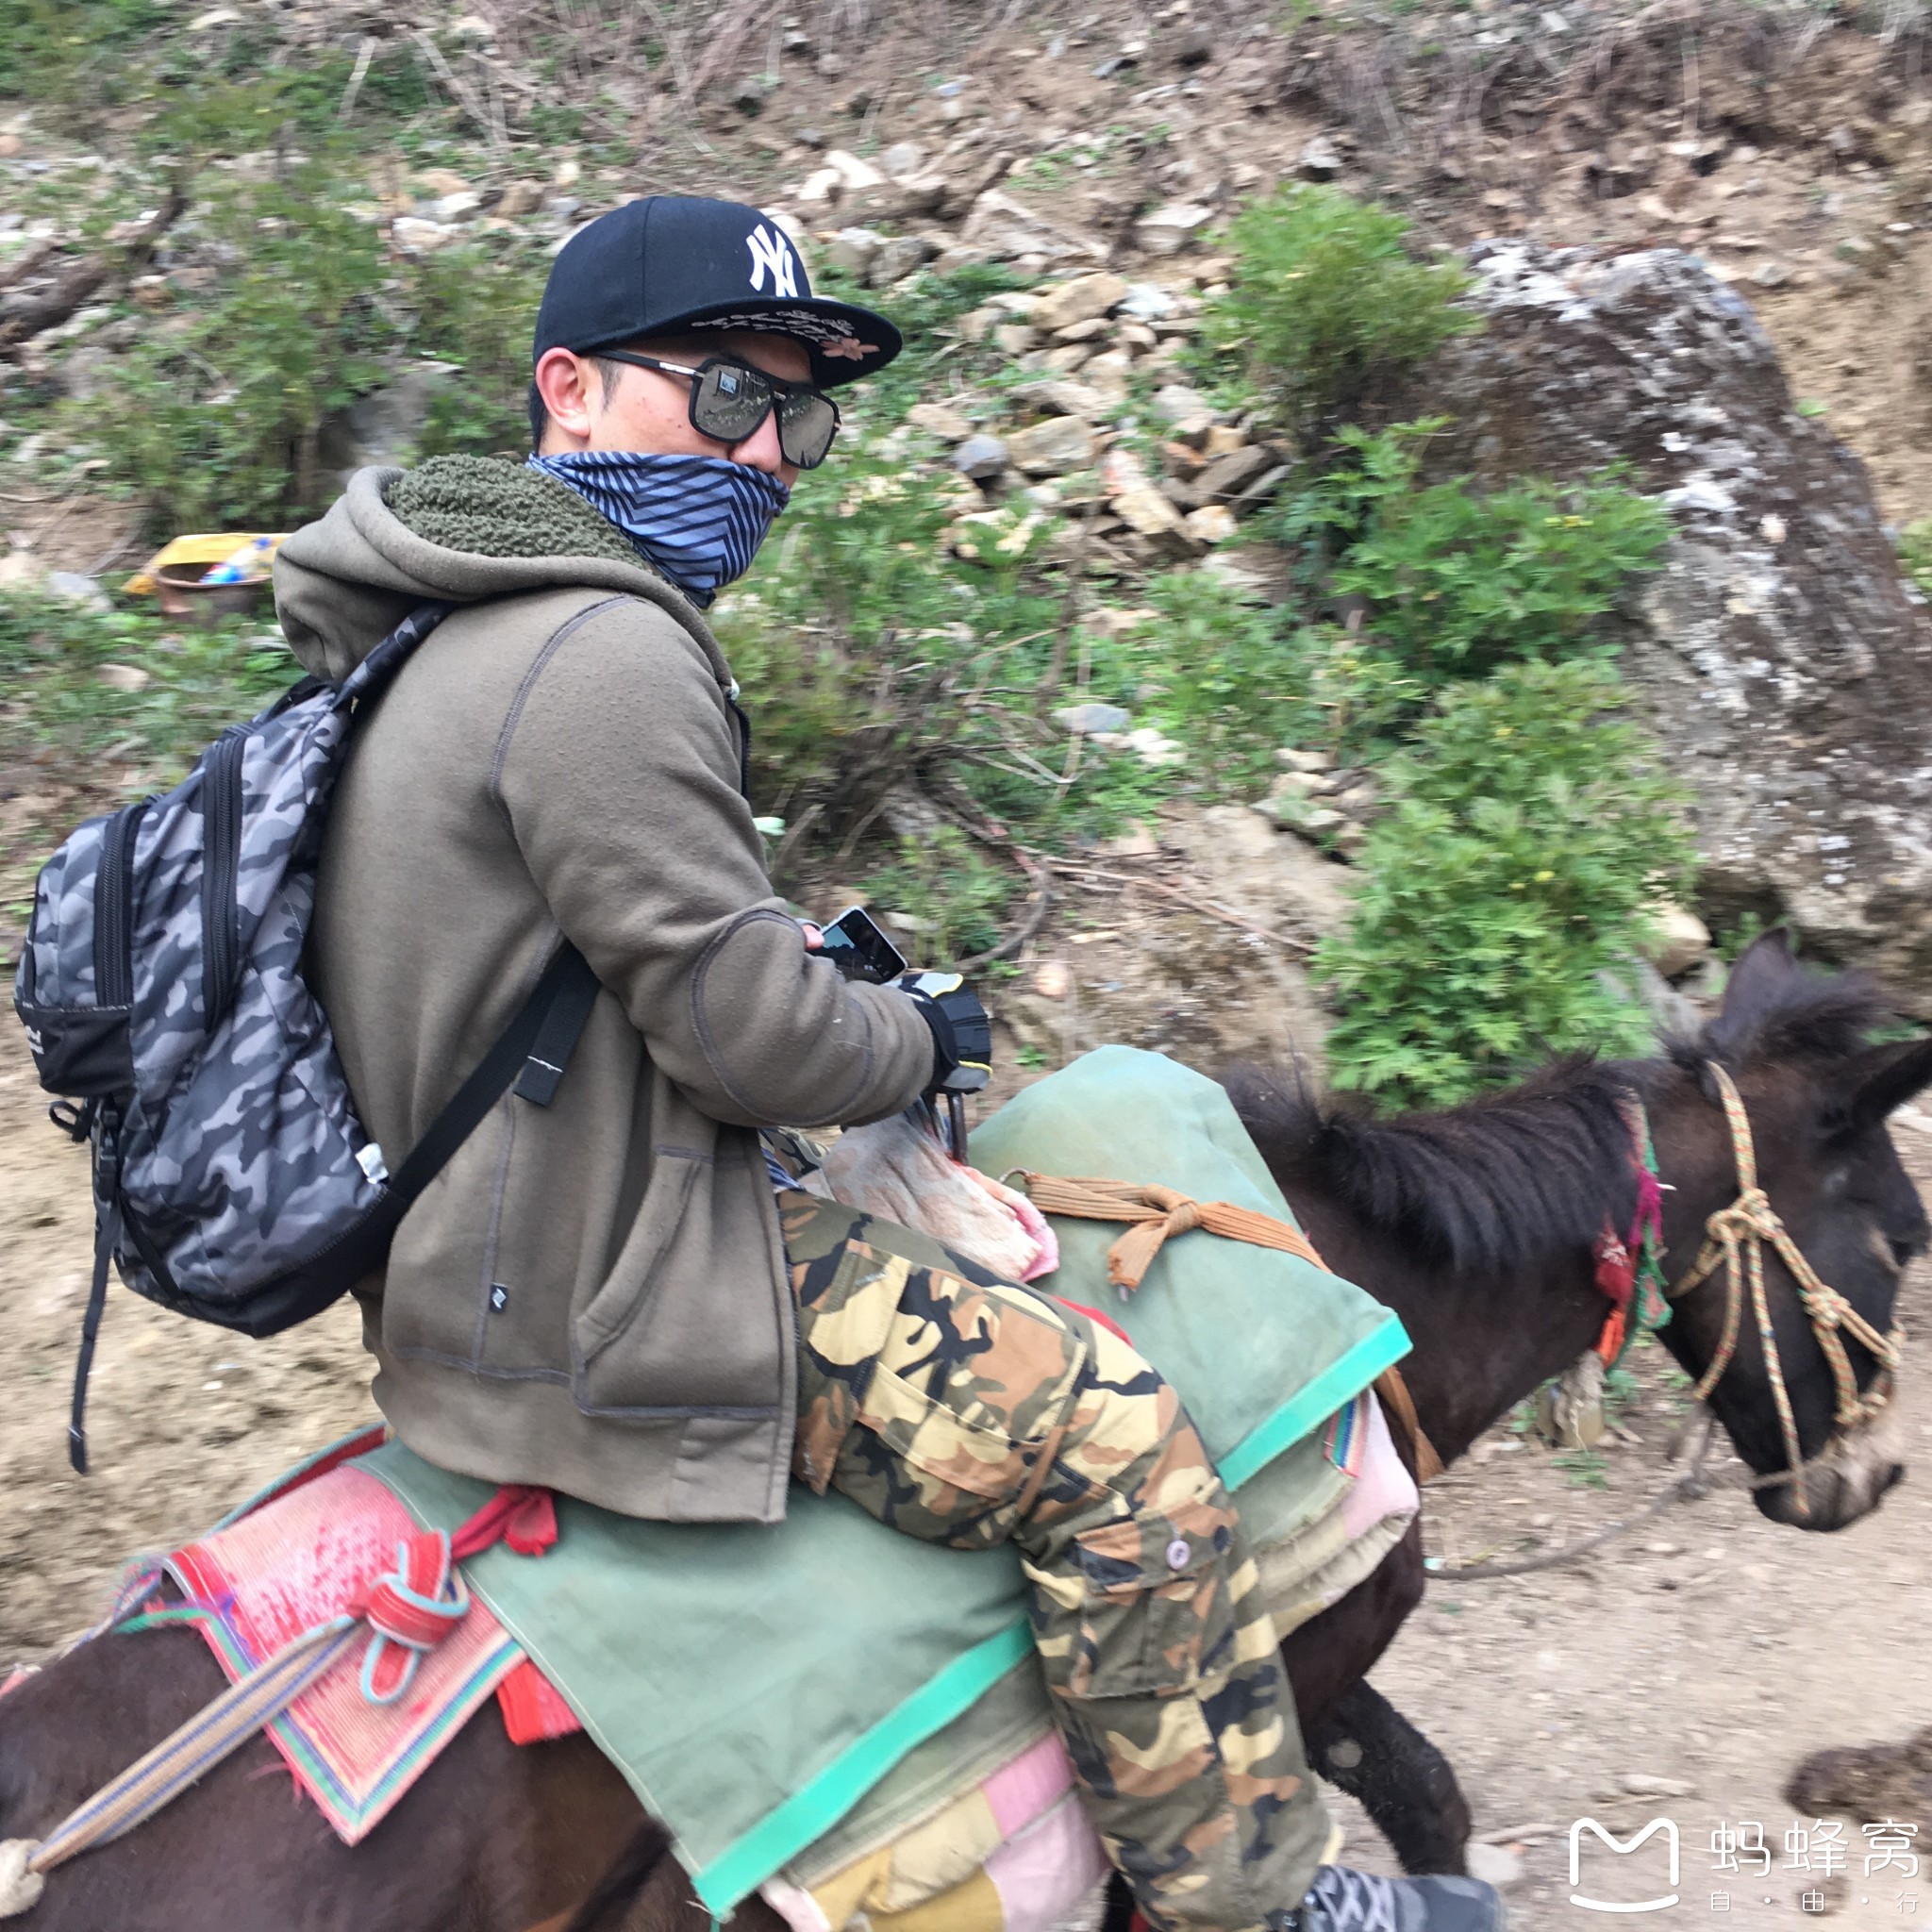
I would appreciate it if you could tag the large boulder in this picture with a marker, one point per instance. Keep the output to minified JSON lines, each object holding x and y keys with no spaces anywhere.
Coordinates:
{"x":1193,"y":965}
{"x":1786,"y":666}
{"x":385,"y":426}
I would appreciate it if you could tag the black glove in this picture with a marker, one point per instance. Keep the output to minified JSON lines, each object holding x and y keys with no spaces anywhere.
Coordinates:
{"x":961,"y":1032}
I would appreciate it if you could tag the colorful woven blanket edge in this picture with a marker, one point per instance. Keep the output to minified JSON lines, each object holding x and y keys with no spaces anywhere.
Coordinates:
{"x":325,"y":1539}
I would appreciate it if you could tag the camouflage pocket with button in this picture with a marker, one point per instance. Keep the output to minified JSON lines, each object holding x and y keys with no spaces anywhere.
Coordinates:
{"x":1158,"y":1615}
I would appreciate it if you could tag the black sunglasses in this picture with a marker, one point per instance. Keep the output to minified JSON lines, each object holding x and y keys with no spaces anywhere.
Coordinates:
{"x":731,"y":400}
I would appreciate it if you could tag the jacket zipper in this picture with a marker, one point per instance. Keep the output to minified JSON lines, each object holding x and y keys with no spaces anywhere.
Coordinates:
{"x":221,"y":912}
{"x":114,"y":908}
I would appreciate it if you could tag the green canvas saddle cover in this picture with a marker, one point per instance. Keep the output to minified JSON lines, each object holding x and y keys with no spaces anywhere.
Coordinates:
{"x":753,"y":1682}
{"x":1261,"y":1345}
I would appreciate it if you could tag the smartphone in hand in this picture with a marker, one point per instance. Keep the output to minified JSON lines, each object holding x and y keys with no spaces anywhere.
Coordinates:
{"x":855,"y":944}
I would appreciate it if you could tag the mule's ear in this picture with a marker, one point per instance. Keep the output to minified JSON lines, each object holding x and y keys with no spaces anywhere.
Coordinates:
{"x":1752,"y":991}
{"x":1882,"y":1078}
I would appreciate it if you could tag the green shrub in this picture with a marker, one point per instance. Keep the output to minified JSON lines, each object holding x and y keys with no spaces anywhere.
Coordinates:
{"x":1460,"y":580}
{"x":808,"y":698}
{"x":1529,"y":830}
{"x":218,"y":410}
{"x":69,"y":54}
{"x":873,"y":658}
{"x":1228,"y":680}
{"x":870,"y":657}
{"x":198,"y":682}
{"x":225,"y":90}
{"x":1915,"y":553}
{"x":477,"y":309}
{"x":1325,"y":296}
{"x":1233,"y":681}
{"x":947,"y":894}
{"x":222,"y":401}
{"x":395,"y":94}
{"x":1338,"y":505}
{"x":1363,"y":697}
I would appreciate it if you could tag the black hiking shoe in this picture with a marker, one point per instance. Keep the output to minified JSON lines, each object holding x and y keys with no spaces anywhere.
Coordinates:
{"x":1341,"y":1900}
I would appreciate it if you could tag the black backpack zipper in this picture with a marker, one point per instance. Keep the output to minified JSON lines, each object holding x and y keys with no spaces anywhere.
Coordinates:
{"x":221,"y":912}
{"x":114,"y":908}
{"x":113,"y":988}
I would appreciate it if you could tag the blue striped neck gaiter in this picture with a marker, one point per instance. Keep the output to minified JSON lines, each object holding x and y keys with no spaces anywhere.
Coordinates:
{"x":699,"y":518}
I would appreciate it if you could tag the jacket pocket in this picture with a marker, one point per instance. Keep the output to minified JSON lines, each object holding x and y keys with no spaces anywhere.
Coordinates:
{"x":692,"y":1317}
{"x":613,"y":1312}
{"x":1157,"y":1616}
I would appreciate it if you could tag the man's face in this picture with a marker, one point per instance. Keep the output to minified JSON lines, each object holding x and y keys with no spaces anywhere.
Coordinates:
{"x":648,"y":411}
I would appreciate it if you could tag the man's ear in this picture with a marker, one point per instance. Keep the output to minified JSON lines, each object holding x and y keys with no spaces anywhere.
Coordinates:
{"x":570,"y":390}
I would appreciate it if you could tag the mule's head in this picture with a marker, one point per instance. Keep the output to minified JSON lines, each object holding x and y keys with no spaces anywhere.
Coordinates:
{"x":1795,"y":1043}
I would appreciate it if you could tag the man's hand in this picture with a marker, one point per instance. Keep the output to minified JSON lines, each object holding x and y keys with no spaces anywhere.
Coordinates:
{"x":961,"y":1032}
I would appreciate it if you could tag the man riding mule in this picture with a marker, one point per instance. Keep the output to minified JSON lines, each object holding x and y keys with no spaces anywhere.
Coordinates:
{"x":608,"y":1296}
{"x":1480,"y":1226}
{"x":993,"y":1416}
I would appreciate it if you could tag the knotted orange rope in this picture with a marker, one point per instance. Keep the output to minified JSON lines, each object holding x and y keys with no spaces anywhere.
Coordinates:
{"x":1159,"y":1213}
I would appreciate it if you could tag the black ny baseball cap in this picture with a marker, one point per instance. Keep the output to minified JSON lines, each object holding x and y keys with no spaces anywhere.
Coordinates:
{"x":674,"y":264}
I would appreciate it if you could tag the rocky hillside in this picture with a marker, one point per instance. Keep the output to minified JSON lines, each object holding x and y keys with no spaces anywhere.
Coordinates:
{"x":1088,"y":587}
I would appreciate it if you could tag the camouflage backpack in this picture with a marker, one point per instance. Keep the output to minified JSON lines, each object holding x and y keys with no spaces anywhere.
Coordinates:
{"x":163,"y":993}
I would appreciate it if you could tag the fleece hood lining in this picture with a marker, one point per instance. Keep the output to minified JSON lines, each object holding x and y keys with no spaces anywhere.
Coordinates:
{"x":345,"y":582}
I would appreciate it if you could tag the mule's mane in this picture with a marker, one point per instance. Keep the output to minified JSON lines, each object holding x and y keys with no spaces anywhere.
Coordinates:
{"x":1497,"y":1184}
{"x":1506,"y":1181}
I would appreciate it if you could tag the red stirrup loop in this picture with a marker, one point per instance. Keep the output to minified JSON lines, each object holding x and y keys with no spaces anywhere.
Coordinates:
{"x":410,"y":1612}
{"x":416,"y":1608}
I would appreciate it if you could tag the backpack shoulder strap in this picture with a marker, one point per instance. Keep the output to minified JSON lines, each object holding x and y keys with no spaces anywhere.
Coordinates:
{"x":530,"y":1054}
{"x":371,"y":678}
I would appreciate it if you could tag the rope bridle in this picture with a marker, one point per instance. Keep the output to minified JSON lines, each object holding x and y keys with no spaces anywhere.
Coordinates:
{"x":1736,"y":1236}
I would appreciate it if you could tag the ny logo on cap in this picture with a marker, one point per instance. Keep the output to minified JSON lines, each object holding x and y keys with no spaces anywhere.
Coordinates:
{"x":770,"y":251}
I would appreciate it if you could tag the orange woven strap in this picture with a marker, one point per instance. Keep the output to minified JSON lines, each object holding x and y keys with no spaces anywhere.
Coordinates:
{"x":1159,"y":1215}
{"x":1396,"y":1399}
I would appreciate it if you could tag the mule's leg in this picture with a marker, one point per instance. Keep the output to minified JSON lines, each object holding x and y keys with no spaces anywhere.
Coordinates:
{"x":1332,"y":1653}
{"x":1357,"y":1739}
{"x":1367,"y":1747}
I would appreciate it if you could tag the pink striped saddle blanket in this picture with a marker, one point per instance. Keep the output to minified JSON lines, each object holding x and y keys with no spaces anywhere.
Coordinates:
{"x":331,"y":1539}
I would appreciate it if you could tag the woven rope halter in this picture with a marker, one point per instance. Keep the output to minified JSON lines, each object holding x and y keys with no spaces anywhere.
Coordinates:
{"x":1736,"y":1236}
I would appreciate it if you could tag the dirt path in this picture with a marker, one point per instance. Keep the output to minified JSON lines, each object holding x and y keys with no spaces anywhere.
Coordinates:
{"x":183,"y":1420}
{"x":1709,"y":1648}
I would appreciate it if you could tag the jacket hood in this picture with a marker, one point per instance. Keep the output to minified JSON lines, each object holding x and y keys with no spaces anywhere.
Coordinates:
{"x":343,"y":583}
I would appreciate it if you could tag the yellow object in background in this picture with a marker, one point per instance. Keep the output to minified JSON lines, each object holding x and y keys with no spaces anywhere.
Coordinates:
{"x":211,"y":548}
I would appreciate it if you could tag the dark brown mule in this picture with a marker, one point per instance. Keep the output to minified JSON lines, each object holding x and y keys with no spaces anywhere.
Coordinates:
{"x":1477,"y":1225}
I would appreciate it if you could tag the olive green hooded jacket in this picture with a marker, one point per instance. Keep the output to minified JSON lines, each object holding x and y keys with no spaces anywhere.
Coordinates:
{"x":591,"y":1295}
